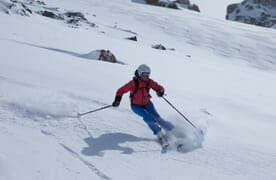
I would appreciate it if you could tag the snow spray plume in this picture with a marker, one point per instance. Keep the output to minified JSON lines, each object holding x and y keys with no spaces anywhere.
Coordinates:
{"x":198,"y":130}
{"x":187,"y":137}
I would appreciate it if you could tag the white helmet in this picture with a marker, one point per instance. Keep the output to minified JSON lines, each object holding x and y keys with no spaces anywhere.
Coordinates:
{"x":143,"y":68}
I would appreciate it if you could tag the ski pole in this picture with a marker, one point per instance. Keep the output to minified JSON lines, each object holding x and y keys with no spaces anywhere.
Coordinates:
{"x":81,"y":114}
{"x":179,"y":112}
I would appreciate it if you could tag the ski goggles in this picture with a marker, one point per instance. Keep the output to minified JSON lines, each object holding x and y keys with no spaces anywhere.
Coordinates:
{"x":145,"y":74}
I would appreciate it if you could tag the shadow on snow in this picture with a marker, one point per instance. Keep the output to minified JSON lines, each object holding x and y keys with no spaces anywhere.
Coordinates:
{"x":91,"y":55}
{"x":110,"y":141}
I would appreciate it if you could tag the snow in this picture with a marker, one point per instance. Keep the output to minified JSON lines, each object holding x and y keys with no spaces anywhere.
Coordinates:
{"x":221,"y":76}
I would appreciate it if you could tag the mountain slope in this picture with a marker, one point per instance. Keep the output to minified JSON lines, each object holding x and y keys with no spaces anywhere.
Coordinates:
{"x":220,"y":75}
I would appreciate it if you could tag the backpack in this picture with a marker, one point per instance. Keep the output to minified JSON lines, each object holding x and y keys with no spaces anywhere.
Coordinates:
{"x":136,"y":87}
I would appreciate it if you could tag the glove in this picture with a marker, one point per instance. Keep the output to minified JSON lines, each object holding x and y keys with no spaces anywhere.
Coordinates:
{"x":117,"y":101}
{"x":160,"y":93}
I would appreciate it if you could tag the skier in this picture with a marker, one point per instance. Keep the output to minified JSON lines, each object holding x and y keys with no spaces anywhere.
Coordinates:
{"x":140,"y":102}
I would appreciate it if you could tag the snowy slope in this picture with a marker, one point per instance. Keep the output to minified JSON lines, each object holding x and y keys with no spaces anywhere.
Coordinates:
{"x":221,"y":76}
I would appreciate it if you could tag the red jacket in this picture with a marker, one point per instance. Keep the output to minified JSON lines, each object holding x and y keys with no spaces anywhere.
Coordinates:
{"x":142,"y":96}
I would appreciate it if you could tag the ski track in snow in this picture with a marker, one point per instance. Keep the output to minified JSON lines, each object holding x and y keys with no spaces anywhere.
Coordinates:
{"x":88,"y":164}
{"x":76,"y":155}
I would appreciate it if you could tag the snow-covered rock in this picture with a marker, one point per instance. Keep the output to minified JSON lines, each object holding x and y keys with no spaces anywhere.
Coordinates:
{"x":176,"y":4}
{"x":27,"y":7}
{"x":257,"y":12}
{"x":102,"y":55}
{"x":13,"y":6}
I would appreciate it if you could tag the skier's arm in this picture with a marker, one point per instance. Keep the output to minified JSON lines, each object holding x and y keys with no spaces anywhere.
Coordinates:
{"x":125,"y":88}
{"x":157,"y":87}
{"x":120,"y":92}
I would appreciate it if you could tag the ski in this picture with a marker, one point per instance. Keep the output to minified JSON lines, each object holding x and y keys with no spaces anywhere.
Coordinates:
{"x":164,"y":145}
{"x":179,"y":147}
{"x":164,"y":148}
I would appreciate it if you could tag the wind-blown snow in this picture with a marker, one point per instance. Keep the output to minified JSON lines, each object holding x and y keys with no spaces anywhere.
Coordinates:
{"x":221,"y":76}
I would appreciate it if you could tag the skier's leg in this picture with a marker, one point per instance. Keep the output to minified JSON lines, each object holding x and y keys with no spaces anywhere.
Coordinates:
{"x":159,"y":120}
{"x":147,"y":117}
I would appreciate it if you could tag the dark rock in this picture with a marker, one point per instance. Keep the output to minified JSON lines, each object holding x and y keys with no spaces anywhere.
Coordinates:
{"x":152,"y":2}
{"x":77,"y":15}
{"x":231,"y":8}
{"x":134,"y":38}
{"x":159,"y":46}
{"x":76,"y":18}
{"x":194,"y":8}
{"x":177,"y":4}
{"x":106,"y":55}
{"x":50,"y":14}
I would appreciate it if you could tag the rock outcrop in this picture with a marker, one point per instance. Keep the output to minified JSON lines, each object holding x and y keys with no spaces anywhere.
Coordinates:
{"x":256,"y":12}
{"x":177,"y":4}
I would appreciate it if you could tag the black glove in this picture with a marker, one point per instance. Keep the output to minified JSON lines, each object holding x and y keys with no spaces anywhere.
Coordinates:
{"x":160,"y":93}
{"x":117,"y":101}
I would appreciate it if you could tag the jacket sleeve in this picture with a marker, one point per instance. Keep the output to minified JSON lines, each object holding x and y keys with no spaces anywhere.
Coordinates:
{"x":155,"y":86}
{"x":125,"y":88}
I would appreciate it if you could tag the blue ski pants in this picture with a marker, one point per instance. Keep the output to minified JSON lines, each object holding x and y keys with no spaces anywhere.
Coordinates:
{"x":151,"y":117}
